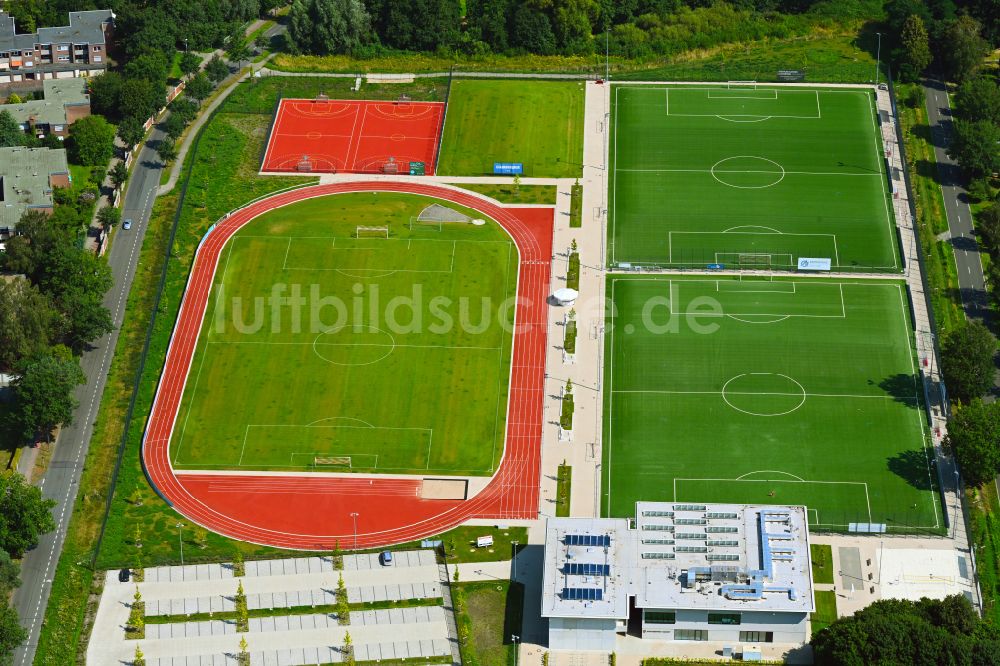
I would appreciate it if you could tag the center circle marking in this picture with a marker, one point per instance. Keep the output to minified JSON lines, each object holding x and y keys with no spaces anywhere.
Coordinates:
{"x":733,"y":394}
{"x":328,"y":350}
{"x":718,"y":172}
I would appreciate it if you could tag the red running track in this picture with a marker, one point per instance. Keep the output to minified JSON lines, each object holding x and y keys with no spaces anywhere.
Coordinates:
{"x":353,"y":136}
{"x":314,"y":512}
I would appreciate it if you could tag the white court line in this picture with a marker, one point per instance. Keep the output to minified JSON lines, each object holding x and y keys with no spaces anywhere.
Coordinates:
{"x":809,"y":481}
{"x":348,"y":344}
{"x":880,"y":165}
{"x":799,"y":394}
{"x":798,"y":173}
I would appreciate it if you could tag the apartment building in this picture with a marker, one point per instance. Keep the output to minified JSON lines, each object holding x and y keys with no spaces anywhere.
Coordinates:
{"x":65,"y":102}
{"x":62,"y":52}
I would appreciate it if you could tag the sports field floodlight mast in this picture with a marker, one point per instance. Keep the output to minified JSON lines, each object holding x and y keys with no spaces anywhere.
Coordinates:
{"x":180,"y":540}
{"x":878,"y":55}
{"x":354,"y":515}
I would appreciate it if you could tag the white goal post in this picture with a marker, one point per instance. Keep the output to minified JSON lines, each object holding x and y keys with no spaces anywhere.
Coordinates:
{"x":367,"y":232}
{"x":742,"y":84}
{"x":434,"y":224}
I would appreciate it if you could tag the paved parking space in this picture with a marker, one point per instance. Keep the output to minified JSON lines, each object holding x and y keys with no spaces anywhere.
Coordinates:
{"x":282,"y":639}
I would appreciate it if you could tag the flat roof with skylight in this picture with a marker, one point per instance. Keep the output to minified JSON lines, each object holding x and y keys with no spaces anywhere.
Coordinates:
{"x":675,"y":555}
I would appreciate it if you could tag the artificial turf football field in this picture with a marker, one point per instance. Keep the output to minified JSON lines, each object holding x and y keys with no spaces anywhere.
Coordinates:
{"x":394,"y":388}
{"x":750,"y":176}
{"x":798,"y":392}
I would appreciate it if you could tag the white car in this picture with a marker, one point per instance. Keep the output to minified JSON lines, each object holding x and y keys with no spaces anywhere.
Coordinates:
{"x":127,"y":224}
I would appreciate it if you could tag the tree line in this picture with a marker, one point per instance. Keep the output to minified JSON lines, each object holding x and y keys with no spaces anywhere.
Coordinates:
{"x":926,"y":632}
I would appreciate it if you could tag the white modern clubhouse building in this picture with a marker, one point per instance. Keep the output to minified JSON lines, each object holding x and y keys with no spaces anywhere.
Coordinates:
{"x":728,"y":573}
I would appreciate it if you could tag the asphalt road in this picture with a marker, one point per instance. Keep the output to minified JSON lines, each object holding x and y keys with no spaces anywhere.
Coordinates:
{"x":972,"y":283}
{"x":61,"y":481}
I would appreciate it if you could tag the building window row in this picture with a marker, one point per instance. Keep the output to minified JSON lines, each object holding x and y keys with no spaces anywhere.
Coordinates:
{"x":690,"y":635}
{"x":660,"y":617}
{"x":724,"y":618}
{"x":757,"y":636}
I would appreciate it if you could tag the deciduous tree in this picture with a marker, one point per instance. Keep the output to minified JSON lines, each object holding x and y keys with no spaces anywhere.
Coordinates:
{"x":12,"y":634}
{"x":24,"y":514}
{"x":11,"y":133}
{"x":119,"y":173}
{"x":91,"y":141}
{"x":978,"y":99}
{"x":28,"y":322}
{"x":962,"y":48}
{"x":914,"y":54}
{"x":44,"y":400}
{"x":217,"y":69}
{"x":199,"y":87}
{"x":976,"y":146}
{"x":189,"y":62}
{"x":974,"y":438}
{"x":967,"y":361}
{"x":322,"y":27}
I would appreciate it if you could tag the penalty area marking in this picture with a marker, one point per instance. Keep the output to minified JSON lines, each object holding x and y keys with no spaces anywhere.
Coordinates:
{"x":742,"y":479}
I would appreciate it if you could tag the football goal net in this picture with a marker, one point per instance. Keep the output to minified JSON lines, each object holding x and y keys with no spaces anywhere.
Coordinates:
{"x":749,"y":85}
{"x":304,"y":165}
{"x":371,"y":232}
{"x":332,"y":461}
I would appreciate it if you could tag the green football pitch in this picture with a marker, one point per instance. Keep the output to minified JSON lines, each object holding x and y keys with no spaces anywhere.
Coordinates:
{"x":328,"y":348}
{"x":773,"y":392}
{"x":537,"y":123}
{"x":748,"y":177}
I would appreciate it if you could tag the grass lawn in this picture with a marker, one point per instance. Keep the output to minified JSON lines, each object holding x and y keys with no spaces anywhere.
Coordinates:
{"x":805,"y":392}
{"x":526,"y":194}
{"x":460,"y":543}
{"x":538,"y":123}
{"x":576,"y":206}
{"x":573,"y":271}
{"x":371,"y":384}
{"x":564,"y":483}
{"x":822,"y":563}
{"x":939,"y":255}
{"x":488,"y":614}
{"x":824,"y":57}
{"x":569,"y":340}
{"x":826,"y":610}
{"x":748,"y":177}
{"x":985,"y":530}
{"x":261,"y":95}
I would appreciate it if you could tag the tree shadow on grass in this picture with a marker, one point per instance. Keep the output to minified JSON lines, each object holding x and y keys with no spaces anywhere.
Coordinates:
{"x":914,"y":467}
{"x":902,"y":387}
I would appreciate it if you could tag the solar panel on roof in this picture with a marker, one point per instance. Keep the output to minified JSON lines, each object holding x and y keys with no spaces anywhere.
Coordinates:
{"x":587,"y":569}
{"x":588,"y":540}
{"x":583,"y":594}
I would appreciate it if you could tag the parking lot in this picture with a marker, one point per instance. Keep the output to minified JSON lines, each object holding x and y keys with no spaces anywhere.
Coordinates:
{"x":299,"y":636}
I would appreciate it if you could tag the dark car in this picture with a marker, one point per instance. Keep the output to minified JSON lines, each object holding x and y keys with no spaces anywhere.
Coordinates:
{"x":385,"y":558}
{"x":124,"y":575}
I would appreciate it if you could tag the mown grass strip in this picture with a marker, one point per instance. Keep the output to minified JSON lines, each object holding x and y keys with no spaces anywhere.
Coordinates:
{"x":294,"y":610}
{"x":564,"y":482}
{"x":576,"y":205}
{"x":524,"y":194}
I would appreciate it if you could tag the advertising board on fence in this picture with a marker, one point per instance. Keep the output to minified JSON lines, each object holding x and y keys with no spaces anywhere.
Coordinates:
{"x":508,"y":168}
